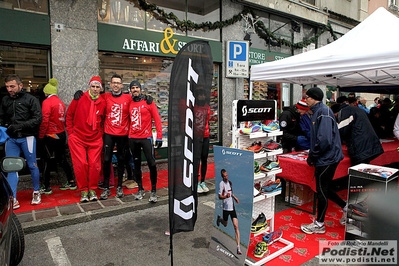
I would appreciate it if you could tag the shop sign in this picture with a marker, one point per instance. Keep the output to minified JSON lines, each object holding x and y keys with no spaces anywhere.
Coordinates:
{"x":258,"y":56}
{"x":253,"y":110}
{"x":237,"y":63}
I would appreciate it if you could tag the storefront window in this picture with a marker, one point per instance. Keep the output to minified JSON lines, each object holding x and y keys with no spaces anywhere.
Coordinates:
{"x":31,"y":64}
{"x":128,"y":13}
{"x":40,"y":6}
{"x":154,"y":75}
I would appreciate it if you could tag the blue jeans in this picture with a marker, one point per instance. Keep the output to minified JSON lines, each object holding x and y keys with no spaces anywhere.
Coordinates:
{"x":28,"y":146}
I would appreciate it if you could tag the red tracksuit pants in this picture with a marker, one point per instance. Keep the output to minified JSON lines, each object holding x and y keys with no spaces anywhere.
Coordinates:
{"x":86,"y":160}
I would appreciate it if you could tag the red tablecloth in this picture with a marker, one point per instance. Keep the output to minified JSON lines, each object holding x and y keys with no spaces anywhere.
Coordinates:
{"x":300,"y":172}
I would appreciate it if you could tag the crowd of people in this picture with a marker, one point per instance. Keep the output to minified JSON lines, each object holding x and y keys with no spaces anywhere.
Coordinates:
{"x":93,"y":124}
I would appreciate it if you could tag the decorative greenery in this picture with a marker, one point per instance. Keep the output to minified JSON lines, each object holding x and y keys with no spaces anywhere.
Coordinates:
{"x":261,"y":30}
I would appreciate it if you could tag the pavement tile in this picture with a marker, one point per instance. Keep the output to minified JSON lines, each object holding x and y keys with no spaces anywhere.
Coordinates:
{"x":90,"y":206}
{"x":25,"y":217}
{"x":69,"y":209}
{"x":46,"y":213}
{"x":111,"y":202}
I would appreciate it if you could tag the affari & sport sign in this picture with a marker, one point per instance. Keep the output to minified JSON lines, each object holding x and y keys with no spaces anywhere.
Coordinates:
{"x":253,"y":110}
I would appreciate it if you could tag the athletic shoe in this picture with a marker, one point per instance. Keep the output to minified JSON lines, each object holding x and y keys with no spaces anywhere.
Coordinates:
{"x":47,"y":191}
{"x":119,"y":192}
{"x":342,"y":221}
{"x":259,"y":224}
{"x":204,"y":187}
{"x":218,"y":220}
{"x":153,"y":197}
{"x":272,"y":186}
{"x":101,"y":185}
{"x":239,"y":250}
{"x":261,"y":249}
{"x":105,"y":194}
{"x":253,"y":129}
{"x":200,"y":189}
{"x":313,"y":228}
{"x":84,"y":197}
{"x":16,"y":204}
{"x":36,"y":198}
{"x":255,"y":147}
{"x":69,"y":185}
{"x":92,"y":195}
{"x":360,"y":208}
{"x":272,"y":146}
{"x":256,"y":167}
{"x":271,"y":166}
{"x":272,"y":126}
{"x":272,"y":237}
{"x":140,"y":195}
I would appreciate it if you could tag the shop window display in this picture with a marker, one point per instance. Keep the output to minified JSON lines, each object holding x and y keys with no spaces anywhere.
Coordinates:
{"x":40,"y":6}
{"x":154,"y":75}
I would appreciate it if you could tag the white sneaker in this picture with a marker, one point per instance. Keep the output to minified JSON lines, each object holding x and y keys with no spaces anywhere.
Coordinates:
{"x":200,"y":189}
{"x":153,"y":197}
{"x":204,"y":187}
{"x":36,"y":198}
{"x":342,"y":221}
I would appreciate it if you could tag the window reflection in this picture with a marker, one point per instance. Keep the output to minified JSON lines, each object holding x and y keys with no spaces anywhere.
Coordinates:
{"x":40,"y":6}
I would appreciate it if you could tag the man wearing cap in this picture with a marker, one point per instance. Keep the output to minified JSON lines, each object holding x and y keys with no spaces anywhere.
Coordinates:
{"x":142,"y":114}
{"x":20,"y":112}
{"x":84,"y":125}
{"x":325,"y":153}
{"x":290,"y":125}
{"x":52,"y":132}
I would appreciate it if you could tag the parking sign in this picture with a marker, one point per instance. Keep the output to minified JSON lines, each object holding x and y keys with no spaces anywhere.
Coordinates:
{"x":237,"y":63}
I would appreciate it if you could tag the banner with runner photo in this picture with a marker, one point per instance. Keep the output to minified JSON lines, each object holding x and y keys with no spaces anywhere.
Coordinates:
{"x":234,"y":196}
{"x":192,"y":72}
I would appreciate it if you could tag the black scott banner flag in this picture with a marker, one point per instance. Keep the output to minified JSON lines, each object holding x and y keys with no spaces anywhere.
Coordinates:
{"x":192,"y":72}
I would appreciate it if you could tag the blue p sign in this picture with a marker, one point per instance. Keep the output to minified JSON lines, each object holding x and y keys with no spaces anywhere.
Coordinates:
{"x":238,"y":51}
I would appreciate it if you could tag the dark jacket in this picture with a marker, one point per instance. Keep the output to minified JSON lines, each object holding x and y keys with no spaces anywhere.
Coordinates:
{"x":23,"y":110}
{"x":325,"y":142}
{"x":358,"y":134}
{"x":289,"y":124}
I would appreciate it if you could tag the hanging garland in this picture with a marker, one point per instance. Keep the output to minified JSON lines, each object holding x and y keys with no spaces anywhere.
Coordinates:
{"x":261,"y":30}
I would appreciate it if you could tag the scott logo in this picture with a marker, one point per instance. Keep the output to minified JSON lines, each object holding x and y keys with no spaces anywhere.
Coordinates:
{"x":255,"y":110}
{"x":234,"y":153}
{"x":225,"y":252}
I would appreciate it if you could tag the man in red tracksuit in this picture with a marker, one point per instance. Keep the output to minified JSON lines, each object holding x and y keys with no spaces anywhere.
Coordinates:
{"x":84,"y":125}
{"x":142,"y":113}
{"x":52,"y":132}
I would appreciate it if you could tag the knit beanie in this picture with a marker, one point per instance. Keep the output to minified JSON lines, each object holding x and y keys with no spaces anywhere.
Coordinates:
{"x":315,"y":93}
{"x":51,"y":87}
{"x":302,"y":105}
{"x":135,"y":83}
{"x":96,"y":79}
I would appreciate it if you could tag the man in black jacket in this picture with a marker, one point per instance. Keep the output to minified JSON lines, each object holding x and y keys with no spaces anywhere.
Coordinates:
{"x":21,"y":113}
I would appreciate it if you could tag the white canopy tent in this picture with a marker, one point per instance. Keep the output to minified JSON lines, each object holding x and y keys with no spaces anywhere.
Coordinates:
{"x":368,"y":55}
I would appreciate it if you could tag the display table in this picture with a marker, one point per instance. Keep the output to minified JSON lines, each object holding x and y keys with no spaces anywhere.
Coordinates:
{"x":298,"y":171}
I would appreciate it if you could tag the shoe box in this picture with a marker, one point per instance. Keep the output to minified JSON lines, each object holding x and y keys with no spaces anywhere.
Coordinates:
{"x":299,"y":194}
{"x":366,"y":182}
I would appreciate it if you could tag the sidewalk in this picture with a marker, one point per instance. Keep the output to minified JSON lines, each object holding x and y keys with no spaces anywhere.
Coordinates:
{"x":44,"y":219}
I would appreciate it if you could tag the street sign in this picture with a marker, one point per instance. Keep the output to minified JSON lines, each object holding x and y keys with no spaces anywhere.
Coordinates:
{"x":237,"y":63}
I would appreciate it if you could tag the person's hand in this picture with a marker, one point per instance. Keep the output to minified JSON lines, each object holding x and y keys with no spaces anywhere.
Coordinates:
{"x":309,"y":161}
{"x":13,"y":129}
{"x":78,"y":94}
{"x":149,"y":99}
{"x":158,"y":143}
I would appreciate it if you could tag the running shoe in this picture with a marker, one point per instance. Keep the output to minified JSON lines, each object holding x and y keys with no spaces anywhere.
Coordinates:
{"x":218,"y":220}
{"x":119,"y":192}
{"x":261,"y":249}
{"x":16,"y":205}
{"x":255,"y":147}
{"x":140,"y":195}
{"x":239,"y":250}
{"x":249,"y":130}
{"x":256,"y":167}
{"x":84,"y":197}
{"x":272,"y":186}
{"x":69,"y":185}
{"x":199,"y":189}
{"x":36,"y":198}
{"x":272,"y":145}
{"x":92,"y":195}
{"x":361,"y":208}
{"x":270,"y":167}
{"x":47,"y":191}
{"x":153,"y":197}
{"x":272,"y":237}
{"x":259,"y":224}
{"x":270,"y":127}
{"x":105,"y":194}
{"x":204,"y":187}
{"x":313,"y":228}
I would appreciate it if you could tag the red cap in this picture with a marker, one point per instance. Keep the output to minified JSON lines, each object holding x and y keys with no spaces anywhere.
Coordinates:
{"x":96,"y":79}
{"x":302,"y":105}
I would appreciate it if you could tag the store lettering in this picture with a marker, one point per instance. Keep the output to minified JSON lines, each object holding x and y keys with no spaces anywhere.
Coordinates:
{"x":188,"y":149}
{"x":259,"y":110}
{"x":139,"y":45}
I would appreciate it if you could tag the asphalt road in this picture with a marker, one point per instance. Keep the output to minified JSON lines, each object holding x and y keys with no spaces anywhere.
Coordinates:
{"x":134,"y":238}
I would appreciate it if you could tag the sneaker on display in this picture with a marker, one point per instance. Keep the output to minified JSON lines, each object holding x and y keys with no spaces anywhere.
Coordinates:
{"x":204,"y":187}
{"x":153,"y":197}
{"x":255,"y":147}
{"x":36,"y":198}
{"x":119,"y":192}
{"x":272,"y":237}
{"x":313,"y":228}
{"x":256,"y":167}
{"x":92,"y":195}
{"x":84,"y":196}
{"x":269,"y":167}
{"x":272,"y":186}
{"x":270,"y":127}
{"x":361,"y":208}
{"x":259,"y":224}
{"x":105,"y":194}
{"x":261,"y":249}
{"x":140,"y":195}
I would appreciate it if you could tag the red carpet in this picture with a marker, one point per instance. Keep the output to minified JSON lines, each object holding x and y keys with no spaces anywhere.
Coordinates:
{"x":306,"y":246}
{"x":61,"y":198}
